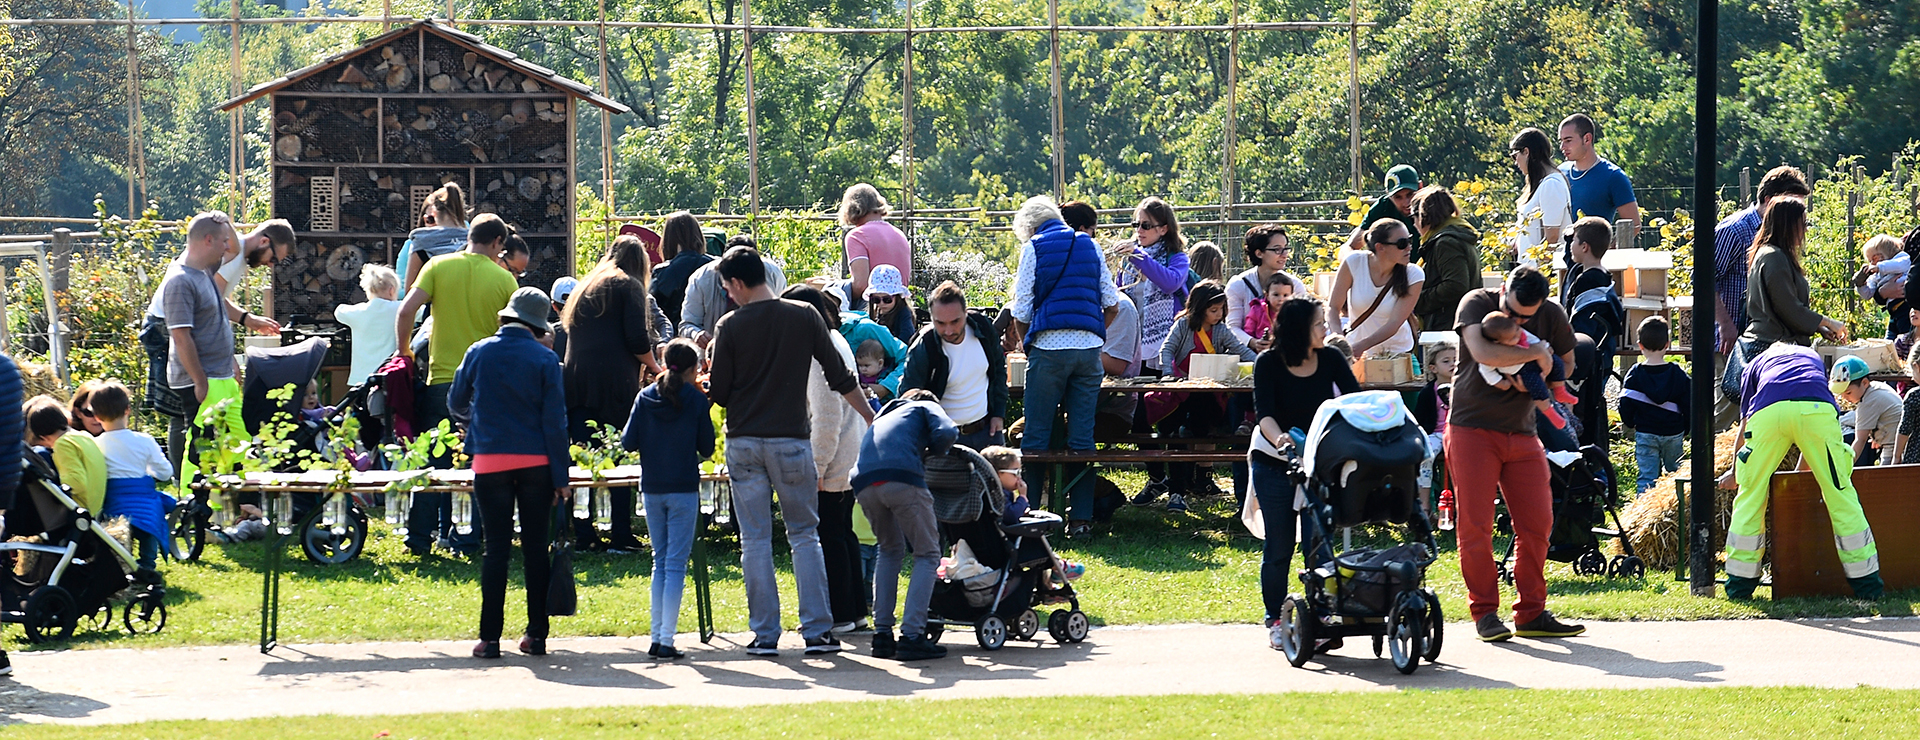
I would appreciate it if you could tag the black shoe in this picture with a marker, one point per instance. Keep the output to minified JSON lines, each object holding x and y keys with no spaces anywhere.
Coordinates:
{"x":1546,"y":626}
{"x":533,"y":646}
{"x":918,"y":648}
{"x":626,"y":546}
{"x":822,"y":645}
{"x":6,"y":666}
{"x":1869,"y":586}
{"x":1150,"y":494}
{"x":1491,"y":629}
{"x":420,"y":551}
{"x":764,"y":648}
{"x":664,"y":652}
{"x":883,"y":644}
{"x":487,"y":649}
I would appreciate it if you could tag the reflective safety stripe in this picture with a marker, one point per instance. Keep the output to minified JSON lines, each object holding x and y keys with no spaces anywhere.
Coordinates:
{"x":1849,"y":543}
{"x":1745,"y":541}
{"x":1863,"y":568}
{"x":1745,"y":569}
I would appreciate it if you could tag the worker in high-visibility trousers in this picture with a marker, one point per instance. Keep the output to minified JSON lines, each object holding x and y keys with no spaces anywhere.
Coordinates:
{"x":1787,"y":400}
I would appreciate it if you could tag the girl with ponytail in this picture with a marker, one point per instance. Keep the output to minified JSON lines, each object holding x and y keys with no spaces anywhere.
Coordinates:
{"x":671,"y":429}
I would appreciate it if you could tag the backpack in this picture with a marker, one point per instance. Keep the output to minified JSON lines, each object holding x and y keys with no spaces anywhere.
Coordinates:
{"x":396,"y":385}
{"x":1599,"y":313}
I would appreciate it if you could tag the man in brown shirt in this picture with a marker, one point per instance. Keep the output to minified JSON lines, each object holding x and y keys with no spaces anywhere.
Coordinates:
{"x":1491,"y":431}
{"x":761,"y":354}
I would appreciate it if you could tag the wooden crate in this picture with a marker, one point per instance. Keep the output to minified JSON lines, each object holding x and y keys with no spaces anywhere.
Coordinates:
{"x":1638,"y":309}
{"x":1805,"y":562}
{"x":1389,"y":369}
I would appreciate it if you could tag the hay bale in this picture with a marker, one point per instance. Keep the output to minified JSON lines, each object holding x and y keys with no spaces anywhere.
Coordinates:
{"x":1652,"y":521}
{"x":40,"y":379}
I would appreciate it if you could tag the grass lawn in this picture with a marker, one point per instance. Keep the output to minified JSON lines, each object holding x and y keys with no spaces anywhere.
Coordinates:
{"x":1659,"y":713}
{"x":1148,"y":567}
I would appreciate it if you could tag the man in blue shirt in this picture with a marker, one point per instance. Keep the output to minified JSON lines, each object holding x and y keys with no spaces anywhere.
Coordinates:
{"x":1597,"y":187}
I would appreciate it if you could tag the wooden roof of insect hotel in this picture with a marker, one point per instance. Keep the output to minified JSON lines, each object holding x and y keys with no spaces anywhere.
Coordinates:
{"x":494,"y":54}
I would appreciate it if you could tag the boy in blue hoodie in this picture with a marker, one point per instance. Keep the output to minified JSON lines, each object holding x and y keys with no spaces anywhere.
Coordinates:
{"x":892,"y":485}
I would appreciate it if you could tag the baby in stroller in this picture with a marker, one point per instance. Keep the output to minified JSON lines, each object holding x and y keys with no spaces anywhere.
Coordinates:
{"x":1006,"y":464}
{"x":1361,"y":466}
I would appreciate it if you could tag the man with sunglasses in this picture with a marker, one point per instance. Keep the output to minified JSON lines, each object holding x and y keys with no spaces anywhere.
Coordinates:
{"x":264,"y":246}
{"x":1491,"y":432}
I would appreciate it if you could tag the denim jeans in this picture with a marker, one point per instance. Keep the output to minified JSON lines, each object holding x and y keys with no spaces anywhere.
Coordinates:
{"x":840,"y":549}
{"x":869,"y":558}
{"x":902,"y":517}
{"x":498,"y":494}
{"x":432,"y":513}
{"x":1062,"y":380}
{"x":1275,"y":492}
{"x":762,"y":467}
{"x":1656,"y":455}
{"x":671,"y":521}
{"x":981,"y":440}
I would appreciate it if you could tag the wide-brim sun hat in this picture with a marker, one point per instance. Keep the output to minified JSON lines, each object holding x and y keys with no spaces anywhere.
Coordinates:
{"x":529,"y":306}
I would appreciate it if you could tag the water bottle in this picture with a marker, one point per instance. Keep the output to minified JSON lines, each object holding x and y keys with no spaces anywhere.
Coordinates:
{"x":602,"y":510}
{"x":463,"y":513}
{"x":707,"y":496}
{"x":1446,"y":510}
{"x":516,"y":520}
{"x":334,"y":513}
{"x":722,"y":513}
{"x":398,"y":505}
{"x":282,"y":509}
{"x":640,"y":504}
{"x":582,"y":503}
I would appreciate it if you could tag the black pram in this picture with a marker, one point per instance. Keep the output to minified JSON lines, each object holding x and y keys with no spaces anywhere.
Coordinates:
{"x":68,"y":567}
{"x":1363,"y":460}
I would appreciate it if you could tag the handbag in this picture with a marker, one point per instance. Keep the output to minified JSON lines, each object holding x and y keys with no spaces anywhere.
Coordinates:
{"x":562,"y":598}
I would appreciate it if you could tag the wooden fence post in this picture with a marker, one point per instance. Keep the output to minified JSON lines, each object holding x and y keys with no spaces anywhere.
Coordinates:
{"x":1746,"y":186}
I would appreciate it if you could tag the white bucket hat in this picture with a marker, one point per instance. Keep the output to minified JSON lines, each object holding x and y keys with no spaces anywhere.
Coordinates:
{"x":885,"y":280}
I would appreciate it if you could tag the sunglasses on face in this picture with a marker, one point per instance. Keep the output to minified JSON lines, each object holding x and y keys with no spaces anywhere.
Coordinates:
{"x":885,"y":299}
{"x":86,"y":411}
{"x":1405,"y":242}
{"x":1144,"y":225}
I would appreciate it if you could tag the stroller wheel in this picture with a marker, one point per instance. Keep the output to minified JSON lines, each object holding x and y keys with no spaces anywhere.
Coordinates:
{"x":1057,"y":625}
{"x":188,"y":527}
{"x":1379,"y":645}
{"x":1406,"y":632}
{"x":1590,"y":563}
{"x":1436,"y":625}
{"x":1506,"y":574}
{"x":51,"y":614}
{"x":1296,"y":624}
{"x":1077,"y":626}
{"x":934,"y":631}
{"x":1629,"y":567}
{"x":145,"y":615}
{"x":1026,"y":625}
{"x":990,"y":632}
{"x":338,"y":544}
{"x":101,"y":619}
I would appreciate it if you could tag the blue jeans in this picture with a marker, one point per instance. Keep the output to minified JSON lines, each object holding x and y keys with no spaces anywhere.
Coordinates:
{"x":671,"y":519}
{"x":902,"y":517}
{"x":1062,"y":380}
{"x":762,"y":467}
{"x":432,"y":513}
{"x":981,"y":440}
{"x":1656,"y":454}
{"x":1275,"y":492}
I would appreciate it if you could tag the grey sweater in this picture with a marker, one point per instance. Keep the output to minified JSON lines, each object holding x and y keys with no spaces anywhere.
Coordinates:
{"x":1180,"y":342}
{"x":1779,"y":301}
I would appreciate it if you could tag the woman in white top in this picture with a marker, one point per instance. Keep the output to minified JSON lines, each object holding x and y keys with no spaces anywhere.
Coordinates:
{"x":372,"y":322}
{"x":1544,"y":207}
{"x":1384,"y":273}
{"x":1267,"y":250}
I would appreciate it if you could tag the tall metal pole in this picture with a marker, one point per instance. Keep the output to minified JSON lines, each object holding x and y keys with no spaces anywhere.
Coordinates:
{"x":1059,"y":101}
{"x":906,"y":121}
{"x":1700,"y":566}
{"x":237,"y":144}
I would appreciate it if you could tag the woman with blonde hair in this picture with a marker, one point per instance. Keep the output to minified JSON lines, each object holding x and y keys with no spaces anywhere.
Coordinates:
{"x":610,"y":352}
{"x":871,"y":241}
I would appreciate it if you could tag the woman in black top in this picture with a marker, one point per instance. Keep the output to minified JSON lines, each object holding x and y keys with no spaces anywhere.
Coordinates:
{"x":1290,"y":381}
{"x":610,"y":348}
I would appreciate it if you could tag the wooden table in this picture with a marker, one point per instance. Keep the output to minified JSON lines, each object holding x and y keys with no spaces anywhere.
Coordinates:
{"x":1805,"y":561}
{"x":326,"y":483}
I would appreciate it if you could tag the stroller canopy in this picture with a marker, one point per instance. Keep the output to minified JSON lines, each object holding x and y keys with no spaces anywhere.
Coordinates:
{"x":273,"y":368}
{"x":1367,"y":411}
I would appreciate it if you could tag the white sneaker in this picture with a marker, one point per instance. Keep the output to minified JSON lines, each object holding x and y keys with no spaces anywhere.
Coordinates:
{"x":1276,"y":636}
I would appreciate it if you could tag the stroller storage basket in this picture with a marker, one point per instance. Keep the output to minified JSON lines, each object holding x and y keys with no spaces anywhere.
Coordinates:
{"x":1366,"y":581}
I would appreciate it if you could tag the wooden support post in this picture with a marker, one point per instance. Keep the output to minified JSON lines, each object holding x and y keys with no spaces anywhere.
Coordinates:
{"x":1852,"y":226}
{"x":906,"y":123}
{"x":1353,"y":92}
{"x":1746,"y":186}
{"x":1227,"y":135}
{"x":606,"y":137}
{"x":236,"y":119}
{"x":133,"y":113}
{"x":753,"y":116}
{"x":1059,"y":102}
{"x":6,"y":337}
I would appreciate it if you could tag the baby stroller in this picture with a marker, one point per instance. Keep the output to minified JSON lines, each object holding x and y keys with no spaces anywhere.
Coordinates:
{"x":1012,"y":574}
{"x":270,"y":371}
{"x":1361,"y":462}
{"x":74,"y":570}
{"x":1584,"y":493}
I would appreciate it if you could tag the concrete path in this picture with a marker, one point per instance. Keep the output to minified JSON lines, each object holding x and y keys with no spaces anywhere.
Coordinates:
{"x":113,"y":686}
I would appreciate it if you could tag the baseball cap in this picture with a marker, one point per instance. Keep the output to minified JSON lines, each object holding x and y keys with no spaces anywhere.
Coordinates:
{"x":564,"y":287}
{"x":1845,"y":371}
{"x":1402,"y":177}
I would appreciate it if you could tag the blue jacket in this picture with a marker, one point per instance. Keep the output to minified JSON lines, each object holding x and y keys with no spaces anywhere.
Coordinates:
{"x":509,"y":389}
{"x":891,"y":449}
{"x":12,"y":424}
{"x":672,"y":438}
{"x":1066,"y":282}
{"x":856,"y":328}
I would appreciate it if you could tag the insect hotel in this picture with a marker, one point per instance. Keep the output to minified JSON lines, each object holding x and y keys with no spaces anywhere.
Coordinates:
{"x":359,"y":141}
